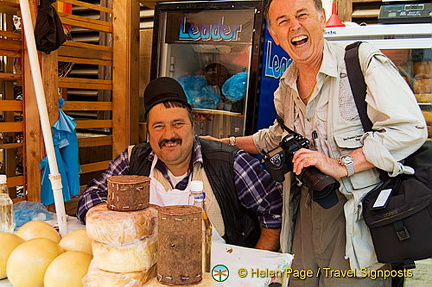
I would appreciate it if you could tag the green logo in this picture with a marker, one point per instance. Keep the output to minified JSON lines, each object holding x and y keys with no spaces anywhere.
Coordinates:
{"x":220,"y":273}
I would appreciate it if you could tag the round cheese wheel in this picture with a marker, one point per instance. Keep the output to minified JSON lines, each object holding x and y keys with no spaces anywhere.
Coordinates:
{"x":8,"y":242}
{"x":114,"y":227}
{"x":139,"y":255}
{"x":28,"y":262}
{"x":99,"y":278}
{"x":77,"y":240}
{"x":38,"y":229}
{"x":67,"y":269}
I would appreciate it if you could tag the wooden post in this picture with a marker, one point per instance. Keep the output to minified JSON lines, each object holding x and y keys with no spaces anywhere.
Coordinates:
{"x":125,"y":74}
{"x":344,"y":8}
{"x":34,"y":148}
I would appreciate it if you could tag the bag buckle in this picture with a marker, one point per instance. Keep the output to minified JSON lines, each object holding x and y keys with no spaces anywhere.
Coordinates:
{"x":401,"y":231}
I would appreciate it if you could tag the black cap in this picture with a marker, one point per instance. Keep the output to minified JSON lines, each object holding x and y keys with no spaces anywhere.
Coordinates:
{"x":161,"y":90}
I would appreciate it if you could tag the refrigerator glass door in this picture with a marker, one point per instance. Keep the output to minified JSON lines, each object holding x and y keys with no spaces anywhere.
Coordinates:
{"x":210,"y":53}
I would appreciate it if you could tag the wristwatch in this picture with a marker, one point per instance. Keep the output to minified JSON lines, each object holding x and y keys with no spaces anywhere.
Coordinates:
{"x":348,"y":162}
{"x":232,"y":141}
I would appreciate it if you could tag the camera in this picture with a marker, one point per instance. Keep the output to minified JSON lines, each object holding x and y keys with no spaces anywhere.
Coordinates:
{"x":279,"y":161}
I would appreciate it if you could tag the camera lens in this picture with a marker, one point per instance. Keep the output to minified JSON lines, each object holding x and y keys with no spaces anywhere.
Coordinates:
{"x":323,"y":187}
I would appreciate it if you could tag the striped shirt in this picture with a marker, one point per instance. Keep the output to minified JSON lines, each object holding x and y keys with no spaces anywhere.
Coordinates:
{"x":256,"y":190}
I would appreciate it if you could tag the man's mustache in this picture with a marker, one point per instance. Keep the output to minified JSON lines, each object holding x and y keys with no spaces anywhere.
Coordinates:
{"x":173,"y":140}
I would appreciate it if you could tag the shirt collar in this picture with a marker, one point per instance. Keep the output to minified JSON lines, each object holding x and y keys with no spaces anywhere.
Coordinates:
{"x":197,"y":158}
{"x":329,"y":66}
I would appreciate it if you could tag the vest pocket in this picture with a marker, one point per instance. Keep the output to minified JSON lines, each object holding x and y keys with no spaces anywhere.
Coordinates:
{"x":348,"y":142}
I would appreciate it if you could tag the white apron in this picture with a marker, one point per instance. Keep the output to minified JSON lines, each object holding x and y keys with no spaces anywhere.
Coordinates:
{"x":162,"y":197}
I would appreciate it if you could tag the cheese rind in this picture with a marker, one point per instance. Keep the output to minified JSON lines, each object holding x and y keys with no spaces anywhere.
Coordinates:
{"x":100,"y":278}
{"x":128,"y":192}
{"x":118,"y":227}
{"x":8,"y":242}
{"x":29,"y":261}
{"x":67,"y":270}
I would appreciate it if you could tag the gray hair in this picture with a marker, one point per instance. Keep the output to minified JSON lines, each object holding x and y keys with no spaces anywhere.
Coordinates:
{"x":318,"y":6}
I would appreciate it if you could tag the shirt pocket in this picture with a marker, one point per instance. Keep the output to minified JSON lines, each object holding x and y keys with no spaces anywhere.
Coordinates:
{"x":348,"y":142}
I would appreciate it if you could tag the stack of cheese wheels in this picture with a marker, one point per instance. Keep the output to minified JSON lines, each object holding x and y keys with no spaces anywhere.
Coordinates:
{"x":124,"y":243}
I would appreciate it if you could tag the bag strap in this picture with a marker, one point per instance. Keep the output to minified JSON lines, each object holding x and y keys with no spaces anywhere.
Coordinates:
{"x":357,"y":82}
{"x":358,"y":88}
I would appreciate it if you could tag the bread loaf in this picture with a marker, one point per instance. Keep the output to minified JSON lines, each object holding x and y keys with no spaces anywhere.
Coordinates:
{"x":99,"y":278}
{"x":422,"y":86}
{"x":423,"y":70}
{"x":128,"y":192}
{"x":424,"y":98}
{"x":428,"y":117}
{"x":117,"y":227}
{"x":139,"y":255}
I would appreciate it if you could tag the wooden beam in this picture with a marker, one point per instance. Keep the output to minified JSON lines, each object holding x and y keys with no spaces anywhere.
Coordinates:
{"x":96,"y":166}
{"x":344,"y":10}
{"x":9,"y":34}
{"x":11,"y":105}
{"x":81,"y":51}
{"x":81,"y":83}
{"x":15,"y":181}
{"x":11,"y":145}
{"x":95,"y":141}
{"x":125,"y":74}
{"x":84,"y":61}
{"x":87,"y":106}
{"x":10,"y":45}
{"x":84,"y":22}
{"x":93,"y":124}
{"x":9,"y":77}
{"x":13,"y":54}
{"x":11,"y":127}
{"x":8,"y":7}
{"x":89,"y":6}
{"x":49,"y":71}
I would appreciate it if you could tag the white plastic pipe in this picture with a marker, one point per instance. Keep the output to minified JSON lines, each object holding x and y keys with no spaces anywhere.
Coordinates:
{"x":54,"y":176}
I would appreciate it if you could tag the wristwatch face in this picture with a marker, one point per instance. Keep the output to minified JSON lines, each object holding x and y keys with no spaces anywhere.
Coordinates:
{"x":346,"y":159}
{"x":348,"y":162}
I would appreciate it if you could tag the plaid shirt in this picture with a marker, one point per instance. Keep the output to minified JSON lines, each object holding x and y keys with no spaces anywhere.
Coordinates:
{"x":255,"y":188}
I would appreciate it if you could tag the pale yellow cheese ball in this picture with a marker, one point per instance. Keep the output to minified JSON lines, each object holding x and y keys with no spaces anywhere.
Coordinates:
{"x":38,"y":229}
{"x":8,"y":242}
{"x":67,"y":269}
{"x":28,"y":262}
{"x":77,"y":240}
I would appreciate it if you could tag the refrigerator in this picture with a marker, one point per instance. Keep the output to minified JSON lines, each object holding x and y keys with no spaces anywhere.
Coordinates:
{"x":409,"y":46}
{"x":222,"y":55}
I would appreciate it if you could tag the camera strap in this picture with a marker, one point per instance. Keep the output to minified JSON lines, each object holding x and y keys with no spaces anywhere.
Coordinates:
{"x":284,"y":127}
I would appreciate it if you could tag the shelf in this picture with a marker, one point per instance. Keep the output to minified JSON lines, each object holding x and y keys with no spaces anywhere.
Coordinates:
{"x":217,"y":112}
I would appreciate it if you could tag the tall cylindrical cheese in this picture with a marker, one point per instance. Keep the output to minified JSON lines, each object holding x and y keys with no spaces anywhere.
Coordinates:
{"x":179,"y":245}
{"x":138,"y":255}
{"x":128,"y":192}
{"x":118,"y":227}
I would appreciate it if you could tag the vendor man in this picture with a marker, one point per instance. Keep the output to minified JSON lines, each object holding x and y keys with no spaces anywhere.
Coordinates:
{"x":243,"y":202}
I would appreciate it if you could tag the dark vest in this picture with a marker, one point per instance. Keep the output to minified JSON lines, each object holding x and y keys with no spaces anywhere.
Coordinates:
{"x":241,"y":225}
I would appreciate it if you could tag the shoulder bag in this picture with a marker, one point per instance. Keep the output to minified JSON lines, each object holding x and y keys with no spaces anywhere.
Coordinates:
{"x":398,"y":212}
